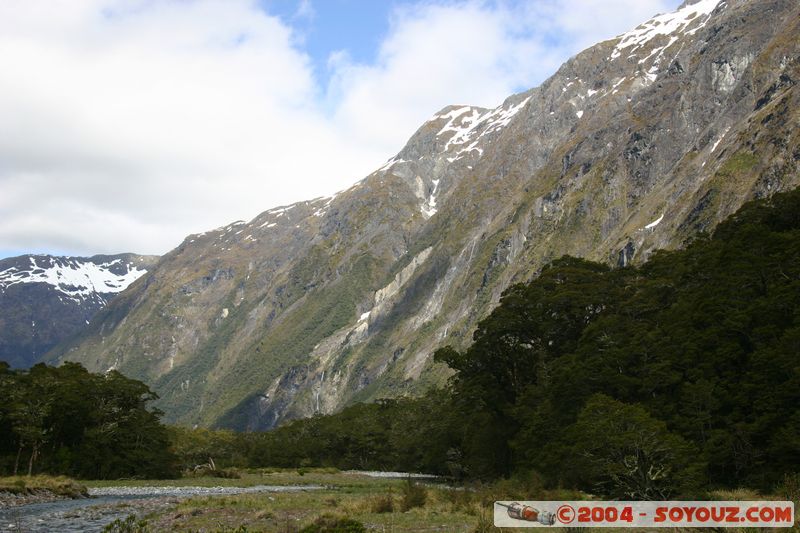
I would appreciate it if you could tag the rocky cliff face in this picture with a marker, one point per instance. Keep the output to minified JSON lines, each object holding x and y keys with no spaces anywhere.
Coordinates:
{"x":635,"y":144}
{"x":45,"y":299}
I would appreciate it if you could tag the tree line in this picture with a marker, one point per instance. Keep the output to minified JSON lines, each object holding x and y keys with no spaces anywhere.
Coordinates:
{"x":68,"y":421}
{"x":657,"y":381}
{"x":649,"y":382}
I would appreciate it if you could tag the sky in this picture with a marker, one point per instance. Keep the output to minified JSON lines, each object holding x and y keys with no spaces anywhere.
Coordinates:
{"x":129,"y":124}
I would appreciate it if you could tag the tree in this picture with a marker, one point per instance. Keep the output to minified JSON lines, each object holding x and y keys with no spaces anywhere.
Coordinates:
{"x":620,"y":451}
{"x":29,"y":407}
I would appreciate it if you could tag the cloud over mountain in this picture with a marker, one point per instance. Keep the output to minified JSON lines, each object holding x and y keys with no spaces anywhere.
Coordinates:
{"x":127,"y":125}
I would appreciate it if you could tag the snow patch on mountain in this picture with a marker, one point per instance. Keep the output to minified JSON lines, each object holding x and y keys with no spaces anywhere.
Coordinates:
{"x":390,"y":163}
{"x":471,"y":128}
{"x":716,"y":143}
{"x":462,"y":129}
{"x":324,"y":209}
{"x":654,"y":223}
{"x":429,"y":208}
{"x":74,"y":277}
{"x":682,"y":21}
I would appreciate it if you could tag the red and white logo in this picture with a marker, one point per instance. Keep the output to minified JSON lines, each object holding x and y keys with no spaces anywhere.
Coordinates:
{"x":675,"y":514}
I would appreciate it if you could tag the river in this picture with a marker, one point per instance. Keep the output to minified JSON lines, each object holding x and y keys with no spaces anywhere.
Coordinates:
{"x":110,"y":503}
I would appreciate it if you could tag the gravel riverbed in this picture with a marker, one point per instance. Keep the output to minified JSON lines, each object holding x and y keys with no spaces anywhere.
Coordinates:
{"x":195,"y":491}
{"x":106,"y":504}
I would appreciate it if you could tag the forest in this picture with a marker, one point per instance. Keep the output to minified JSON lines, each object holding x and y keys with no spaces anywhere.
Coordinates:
{"x":656,"y":381}
{"x":68,"y":421}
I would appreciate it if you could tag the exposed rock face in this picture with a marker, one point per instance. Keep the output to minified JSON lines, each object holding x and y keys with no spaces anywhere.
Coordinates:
{"x":635,"y":144}
{"x":46,"y":299}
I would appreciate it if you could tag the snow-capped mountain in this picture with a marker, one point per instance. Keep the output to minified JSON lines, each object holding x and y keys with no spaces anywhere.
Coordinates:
{"x":45,"y":299}
{"x":636,"y":144}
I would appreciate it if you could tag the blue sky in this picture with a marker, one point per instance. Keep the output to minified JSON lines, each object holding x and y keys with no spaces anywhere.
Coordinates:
{"x":129,"y":132}
{"x":357,"y":26}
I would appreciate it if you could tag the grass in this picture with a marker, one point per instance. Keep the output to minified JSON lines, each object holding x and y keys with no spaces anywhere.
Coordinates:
{"x":248,"y":478}
{"x":60,"y":486}
{"x":291,"y":511}
{"x":375,"y":502}
{"x":380,"y":504}
{"x":739,"y":163}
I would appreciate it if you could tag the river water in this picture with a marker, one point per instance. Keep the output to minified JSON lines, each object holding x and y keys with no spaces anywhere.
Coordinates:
{"x":109,"y":503}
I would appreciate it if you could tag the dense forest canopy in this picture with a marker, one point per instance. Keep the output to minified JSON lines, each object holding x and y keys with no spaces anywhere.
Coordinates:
{"x":68,"y":421}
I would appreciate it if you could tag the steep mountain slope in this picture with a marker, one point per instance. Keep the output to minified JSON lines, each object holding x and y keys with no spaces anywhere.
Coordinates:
{"x":45,"y":299}
{"x":635,"y":144}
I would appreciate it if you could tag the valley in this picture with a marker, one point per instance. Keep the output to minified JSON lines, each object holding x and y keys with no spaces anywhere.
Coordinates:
{"x":636,"y":144}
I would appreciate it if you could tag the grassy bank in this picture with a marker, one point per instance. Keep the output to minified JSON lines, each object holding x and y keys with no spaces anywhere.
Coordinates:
{"x":239,"y":478}
{"x":379,"y":504}
{"x":58,"y":486}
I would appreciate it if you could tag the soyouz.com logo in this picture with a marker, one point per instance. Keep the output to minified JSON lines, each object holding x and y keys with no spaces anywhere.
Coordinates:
{"x":644,"y":514}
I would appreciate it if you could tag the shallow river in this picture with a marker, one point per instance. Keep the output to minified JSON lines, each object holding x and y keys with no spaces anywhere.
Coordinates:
{"x":109,"y":503}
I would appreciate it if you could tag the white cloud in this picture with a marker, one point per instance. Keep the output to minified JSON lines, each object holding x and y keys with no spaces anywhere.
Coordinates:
{"x":127,"y":124}
{"x":474,"y":53}
{"x":433,"y":56}
{"x":173,"y":114}
{"x":579,"y":24}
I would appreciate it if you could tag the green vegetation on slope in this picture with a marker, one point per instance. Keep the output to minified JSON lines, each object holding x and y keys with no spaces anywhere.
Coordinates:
{"x":645,"y":382}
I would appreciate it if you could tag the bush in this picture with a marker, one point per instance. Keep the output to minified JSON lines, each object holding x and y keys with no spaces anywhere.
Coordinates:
{"x":334,"y":524}
{"x":459,"y":499}
{"x":485,"y":522}
{"x":414,"y":495}
{"x":127,"y":525}
{"x":790,"y":488}
{"x":382,"y":504}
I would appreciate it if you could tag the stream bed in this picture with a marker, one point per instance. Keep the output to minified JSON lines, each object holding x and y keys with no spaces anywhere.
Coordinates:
{"x":107,"y":504}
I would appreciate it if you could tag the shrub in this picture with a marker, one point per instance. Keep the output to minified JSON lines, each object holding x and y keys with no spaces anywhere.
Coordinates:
{"x":127,"y":525}
{"x":790,"y":488}
{"x":414,"y":495}
{"x":485,"y":522}
{"x":334,"y":524}
{"x":460,"y":499}
{"x":383,"y":503}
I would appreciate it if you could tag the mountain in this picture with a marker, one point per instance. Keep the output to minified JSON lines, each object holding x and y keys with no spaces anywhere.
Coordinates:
{"x":46,"y":299}
{"x":637,"y":143}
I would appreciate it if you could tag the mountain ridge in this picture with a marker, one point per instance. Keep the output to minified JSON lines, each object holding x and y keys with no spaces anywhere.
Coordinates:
{"x":46,"y":299}
{"x":635,"y":144}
